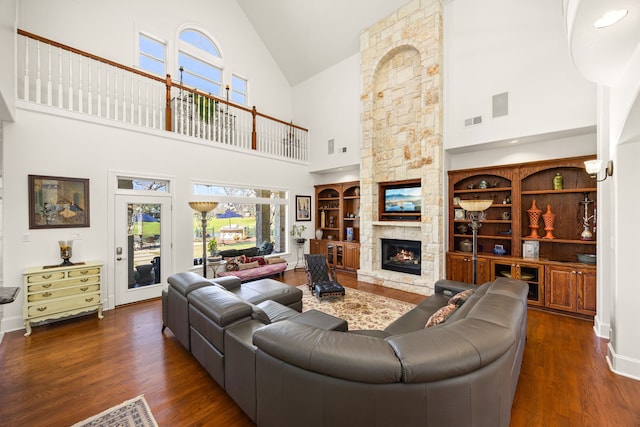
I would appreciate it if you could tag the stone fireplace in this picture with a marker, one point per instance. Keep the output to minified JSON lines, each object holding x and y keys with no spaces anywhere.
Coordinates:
{"x":402,"y":139}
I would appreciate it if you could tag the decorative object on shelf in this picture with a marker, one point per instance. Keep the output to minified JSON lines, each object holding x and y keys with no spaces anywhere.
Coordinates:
{"x":499,"y":250}
{"x":303,"y":208}
{"x":56,"y":202}
{"x":65,"y":251}
{"x":456,"y":201}
{"x":323,"y":219}
{"x":586,"y":218}
{"x":350,"y":234}
{"x":507,"y":200}
{"x":558,"y":181}
{"x":530,"y":249}
{"x":549,"y":218}
{"x":331,"y":221}
{"x":356,"y":191}
{"x":204,"y":208}
{"x":483,"y":184}
{"x":463,"y":228}
{"x":534,"y":220}
{"x":506,"y":215}
{"x":319,"y":233}
{"x":466,"y":245}
{"x":586,"y":258}
{"x":475,"y":213}
{"x":459,"y":214}
{"x":593,"y":169}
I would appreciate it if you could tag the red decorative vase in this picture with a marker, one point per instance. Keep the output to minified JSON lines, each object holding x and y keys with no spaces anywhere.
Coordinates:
{"x":534,"y":219}
{"x":548,"y":217}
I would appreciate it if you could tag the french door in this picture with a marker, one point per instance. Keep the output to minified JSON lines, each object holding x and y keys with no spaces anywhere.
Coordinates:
{"x":142,"y":246}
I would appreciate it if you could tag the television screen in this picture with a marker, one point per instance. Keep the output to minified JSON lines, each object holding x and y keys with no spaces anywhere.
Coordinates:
{"x":403,"y":199}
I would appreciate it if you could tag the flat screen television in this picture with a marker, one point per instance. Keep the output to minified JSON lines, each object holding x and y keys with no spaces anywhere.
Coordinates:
{"x":403,"y":199}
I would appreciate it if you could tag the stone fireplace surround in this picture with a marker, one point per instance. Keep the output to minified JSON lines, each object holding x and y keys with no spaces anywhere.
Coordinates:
{"x":402,"y":138}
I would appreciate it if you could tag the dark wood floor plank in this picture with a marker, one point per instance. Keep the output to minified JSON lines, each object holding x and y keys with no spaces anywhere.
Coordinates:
{"x":68,"y":371}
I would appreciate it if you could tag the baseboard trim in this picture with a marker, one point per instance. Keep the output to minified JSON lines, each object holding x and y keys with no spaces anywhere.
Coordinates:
{"x":622,"y":365}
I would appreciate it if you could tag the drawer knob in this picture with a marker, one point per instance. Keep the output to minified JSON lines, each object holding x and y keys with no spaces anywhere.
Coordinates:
{"x":46,"y":276}
{"x":47,"y":294}
{"x":88,"y":299}
{"x":46,"y":285}
{"x":41,"y":309}
{"x":84,"y":279}
{"x":84,"y":289}
{"x":84,"y":272}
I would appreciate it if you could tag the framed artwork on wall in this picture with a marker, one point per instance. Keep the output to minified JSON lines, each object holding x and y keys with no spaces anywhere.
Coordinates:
{"x":57,"y":202}
{"x":303,"y":208}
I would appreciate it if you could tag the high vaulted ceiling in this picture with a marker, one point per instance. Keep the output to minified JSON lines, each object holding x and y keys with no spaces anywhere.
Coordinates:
{"x":306,"y":37}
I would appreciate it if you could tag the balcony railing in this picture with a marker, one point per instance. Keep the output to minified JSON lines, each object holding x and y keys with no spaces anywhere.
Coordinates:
{"x":59,"y":76}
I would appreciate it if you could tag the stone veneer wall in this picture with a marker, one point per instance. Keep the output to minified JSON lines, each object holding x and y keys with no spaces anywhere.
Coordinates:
{"x":402,"y":137}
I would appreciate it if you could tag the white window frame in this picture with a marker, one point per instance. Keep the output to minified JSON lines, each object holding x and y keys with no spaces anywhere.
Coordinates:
{"x":164,"y":61}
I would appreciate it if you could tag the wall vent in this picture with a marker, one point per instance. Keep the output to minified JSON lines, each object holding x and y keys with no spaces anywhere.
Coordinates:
{"x":473,"y":121}
{"x":330,"y":146}
{"x":501,"y":104}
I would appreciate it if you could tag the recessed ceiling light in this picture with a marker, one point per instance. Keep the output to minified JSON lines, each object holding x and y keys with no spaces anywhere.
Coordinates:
{"x":513,"y":141}
{"x":609,"y":18}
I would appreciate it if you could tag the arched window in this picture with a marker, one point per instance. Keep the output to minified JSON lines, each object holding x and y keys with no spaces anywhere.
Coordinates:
{"x":200,"y":62}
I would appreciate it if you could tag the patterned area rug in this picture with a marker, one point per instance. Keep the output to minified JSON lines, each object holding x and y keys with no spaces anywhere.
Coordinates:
{"x":132,"y":413}
{"x":362,"y":310}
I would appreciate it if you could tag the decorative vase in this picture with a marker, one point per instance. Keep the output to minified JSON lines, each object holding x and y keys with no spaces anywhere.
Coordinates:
{"x":466,"y":245}
{"x":548,"y":217}
{"x":319,"y":233}
{"x":534,"y":219}
{"x":558,"y":181}
{"x":65,"y":251}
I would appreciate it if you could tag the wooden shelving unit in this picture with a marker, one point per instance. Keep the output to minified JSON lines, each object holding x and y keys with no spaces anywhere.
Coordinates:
{"x":557,"y":281}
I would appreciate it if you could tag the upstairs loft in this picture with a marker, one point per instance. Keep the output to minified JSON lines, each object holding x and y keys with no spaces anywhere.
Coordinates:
{"x":62,"y":78}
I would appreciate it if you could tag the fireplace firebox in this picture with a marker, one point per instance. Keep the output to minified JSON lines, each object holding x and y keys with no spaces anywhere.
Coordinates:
{"x":403,"y":256}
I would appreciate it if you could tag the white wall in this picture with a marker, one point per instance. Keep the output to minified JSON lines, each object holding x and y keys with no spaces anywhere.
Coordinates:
{"x":109,"y":29}
{"x":50,"y":145}
{"x":497,"y":46}
{"x":329,"y":105}
{"x":7,"y":64}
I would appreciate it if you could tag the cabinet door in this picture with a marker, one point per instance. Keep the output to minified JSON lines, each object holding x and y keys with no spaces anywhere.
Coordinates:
{"x":317,"y":247}
{"x":587,"y":292}
{"x":352,"y":257}
{"x":459,"y":267}
{"x":561,"y":288}
{"x":483,"y":272}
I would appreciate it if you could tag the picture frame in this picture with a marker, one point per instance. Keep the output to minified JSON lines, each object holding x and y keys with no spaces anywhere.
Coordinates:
{"x":303,"y":208}
{"x":58,"y":202}
{"x":459,"y":214}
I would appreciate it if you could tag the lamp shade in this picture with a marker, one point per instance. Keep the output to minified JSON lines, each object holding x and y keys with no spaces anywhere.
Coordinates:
{"x":475,"y":205}
{"x":203,"y":207}
{"x":593,"y":166}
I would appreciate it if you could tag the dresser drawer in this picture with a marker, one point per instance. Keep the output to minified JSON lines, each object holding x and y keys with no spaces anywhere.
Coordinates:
{"x":49,"y":286}
{"x":77,"y":290}
{"x":45,"y":277}
{"x":57,"y":306}
{"x":84,"y":272}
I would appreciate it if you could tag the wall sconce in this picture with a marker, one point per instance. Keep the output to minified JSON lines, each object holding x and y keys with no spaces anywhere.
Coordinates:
{"x":593,"y":168}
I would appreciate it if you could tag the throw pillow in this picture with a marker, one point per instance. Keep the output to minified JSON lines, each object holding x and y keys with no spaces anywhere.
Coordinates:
{"x":232,"y":265}
{"x":248,"y":265}
{"x":260,"y":260}
{"x":275,"y":260}
{"x":441,"y":315}
{"x":460,"y":298}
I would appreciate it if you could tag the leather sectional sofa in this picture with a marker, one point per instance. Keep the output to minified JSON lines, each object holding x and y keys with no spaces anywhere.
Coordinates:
{"x":283,"y":372}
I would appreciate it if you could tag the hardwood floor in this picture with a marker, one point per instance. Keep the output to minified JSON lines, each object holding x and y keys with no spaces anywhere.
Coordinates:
{"x":71,"y":370}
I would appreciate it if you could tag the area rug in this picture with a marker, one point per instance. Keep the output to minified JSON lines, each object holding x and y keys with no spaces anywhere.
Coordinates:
{"x":132,"y":413}
{"x":362,"y":310}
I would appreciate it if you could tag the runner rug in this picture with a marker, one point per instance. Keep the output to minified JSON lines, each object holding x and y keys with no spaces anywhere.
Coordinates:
{"x":132,"y":413}
{"x":362,"y":310}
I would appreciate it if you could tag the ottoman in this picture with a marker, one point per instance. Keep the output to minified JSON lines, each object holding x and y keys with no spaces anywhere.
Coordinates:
{"x":328,"y":289}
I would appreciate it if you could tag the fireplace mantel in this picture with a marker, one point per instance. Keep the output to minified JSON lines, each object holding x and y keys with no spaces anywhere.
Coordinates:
{"x":396,"y":224}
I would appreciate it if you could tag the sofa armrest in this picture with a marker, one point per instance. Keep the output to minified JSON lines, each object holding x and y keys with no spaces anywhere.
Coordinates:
{"x":451,"y":287}
{"x":228,"y":282}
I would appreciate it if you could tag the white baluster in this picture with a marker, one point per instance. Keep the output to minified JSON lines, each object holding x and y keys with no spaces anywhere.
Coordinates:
{"x":99,"y":71}
{"x":115,"y":94}
{"x":139,"y":100}
{"x":38,"y":81}
{"x":131,"y":98}
{"x":89,"y":90}
{"x":49,"y":83}
{"x":70,"y":106}
{"x":60,"y":89}
{"x":80,"y":91}
{"x":124,"y":98}
{"x":26,"y":70}
{"x":107,"y":104}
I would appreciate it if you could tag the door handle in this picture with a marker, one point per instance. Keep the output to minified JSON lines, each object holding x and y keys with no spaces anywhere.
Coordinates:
{"x":119,"y":258}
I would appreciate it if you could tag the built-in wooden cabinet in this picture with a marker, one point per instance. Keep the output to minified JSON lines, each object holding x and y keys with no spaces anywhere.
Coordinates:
{"x":338,"y":217}
{"x":556,"y":278}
